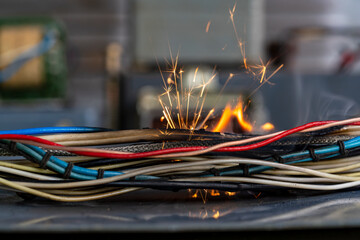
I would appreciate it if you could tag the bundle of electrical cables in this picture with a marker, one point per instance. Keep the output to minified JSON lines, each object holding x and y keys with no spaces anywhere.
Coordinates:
{"x":74,"y":164}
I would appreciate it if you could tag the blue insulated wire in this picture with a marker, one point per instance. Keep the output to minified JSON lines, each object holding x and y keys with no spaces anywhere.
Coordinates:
{"x":349,"y":144}
{"x":53,"y":130}
{"x":84,"y":172}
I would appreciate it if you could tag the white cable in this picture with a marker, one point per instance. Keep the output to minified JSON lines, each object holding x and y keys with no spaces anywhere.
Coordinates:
{"x":169,"y":167}
{"x":26,"y":174}
{"x":276,"y":183}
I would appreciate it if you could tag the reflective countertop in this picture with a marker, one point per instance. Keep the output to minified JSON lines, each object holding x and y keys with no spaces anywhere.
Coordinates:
{"x":169,"y":212}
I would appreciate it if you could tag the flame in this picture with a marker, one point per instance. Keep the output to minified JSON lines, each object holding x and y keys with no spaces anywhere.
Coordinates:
{"x":267,"y":127}
{"x":239,"y":113}
{"x":224,"y":120}
{"x":228,"y":114}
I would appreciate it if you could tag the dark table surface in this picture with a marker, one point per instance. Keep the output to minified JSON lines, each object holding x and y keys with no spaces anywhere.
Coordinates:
{"x":152,"y":211}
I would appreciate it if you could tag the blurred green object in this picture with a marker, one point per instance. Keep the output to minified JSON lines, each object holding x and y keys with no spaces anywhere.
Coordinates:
{"x":41,"y":76}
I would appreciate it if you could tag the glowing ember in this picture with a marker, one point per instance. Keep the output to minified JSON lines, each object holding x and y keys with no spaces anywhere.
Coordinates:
{"x":199,"y":194}
{"x":216,"y":215}
{"x":214,"y":193}
{"x":230,"y":194}
{"x":195,"y":195}
{"x":267,"y":127}
{"x":205,"y":194}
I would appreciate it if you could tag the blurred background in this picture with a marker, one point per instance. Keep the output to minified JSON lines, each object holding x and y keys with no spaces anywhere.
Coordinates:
{"x":96,"y":63}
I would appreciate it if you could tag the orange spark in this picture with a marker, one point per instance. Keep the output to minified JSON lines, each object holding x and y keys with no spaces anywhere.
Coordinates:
{"x":266,"y":79}
{"x":206,"y":118}
{"x":238,"y":39}
{"x":257,"y":195}
{"x":208,"y":26}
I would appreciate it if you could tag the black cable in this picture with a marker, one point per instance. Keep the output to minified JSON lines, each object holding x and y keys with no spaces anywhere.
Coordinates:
{"x":5,"y":146}
{"x":245,"y":168}
{"x":68,"y":170}
{"x":100,"y":174}
{"x":45,"y":159}
{"x":179,"y":185}
{"x":170,"y":185}
{"x":290,"y":143}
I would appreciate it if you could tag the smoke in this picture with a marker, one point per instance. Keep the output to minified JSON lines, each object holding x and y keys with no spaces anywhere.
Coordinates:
{"x":336,"y":107}
{"x":322,"y":98}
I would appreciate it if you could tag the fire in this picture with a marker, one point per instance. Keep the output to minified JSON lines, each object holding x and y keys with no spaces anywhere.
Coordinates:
{"x":228,"y":114}
{"x":224,"y":120}
{"x":239,"y":113}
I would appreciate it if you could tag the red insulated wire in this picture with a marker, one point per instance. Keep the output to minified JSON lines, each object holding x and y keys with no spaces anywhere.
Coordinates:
{"x":273,"y":139}
{"x":169,"y":150}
